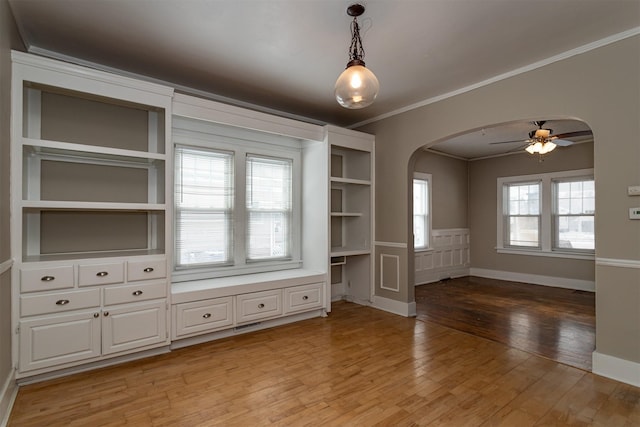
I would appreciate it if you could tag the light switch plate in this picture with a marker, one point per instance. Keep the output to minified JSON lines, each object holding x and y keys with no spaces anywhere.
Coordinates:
{"x":634,"y":213}
{"x":633,"y":190}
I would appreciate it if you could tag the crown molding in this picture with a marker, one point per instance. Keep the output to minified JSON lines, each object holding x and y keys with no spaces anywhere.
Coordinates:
{"x":539,"y":64}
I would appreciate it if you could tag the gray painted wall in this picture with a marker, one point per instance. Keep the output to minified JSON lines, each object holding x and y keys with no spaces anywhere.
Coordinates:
{"x":600,"y":87}
{"x":449,"y":188}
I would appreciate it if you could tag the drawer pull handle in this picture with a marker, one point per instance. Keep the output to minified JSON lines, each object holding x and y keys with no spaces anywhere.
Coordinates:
{"x":62,"y":302}
{"x":102,"y":273}
{"x":260,"y":305}
{"x":206,"y":315}
{"x":304,"y":298}
{"x":48,"y":278}
{"x":96,"y":315}
{"x":148,"y":270}
{"x":136,"y":293}
{"x":106,"y":313}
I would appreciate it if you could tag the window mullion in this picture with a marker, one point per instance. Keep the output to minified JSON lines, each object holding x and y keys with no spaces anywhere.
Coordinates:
{"x":546,"y":228}
{"x":239,"y":207}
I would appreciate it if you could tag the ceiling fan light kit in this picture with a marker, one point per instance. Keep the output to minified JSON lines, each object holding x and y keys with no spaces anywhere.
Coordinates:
{"x":357,"y":87}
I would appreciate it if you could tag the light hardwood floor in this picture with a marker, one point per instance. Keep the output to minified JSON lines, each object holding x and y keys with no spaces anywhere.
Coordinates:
{"x":358,"y":367}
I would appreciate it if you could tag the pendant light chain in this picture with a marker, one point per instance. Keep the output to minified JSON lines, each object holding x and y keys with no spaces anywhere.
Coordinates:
{"x":356,"y":51}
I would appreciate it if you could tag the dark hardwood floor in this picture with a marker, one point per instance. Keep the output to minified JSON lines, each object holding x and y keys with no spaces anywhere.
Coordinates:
{"x":555,"y":323}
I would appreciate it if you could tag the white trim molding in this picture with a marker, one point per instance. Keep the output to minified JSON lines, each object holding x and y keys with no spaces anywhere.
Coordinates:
{"x":625,"y":263}
{"x":617,"y":369}
{"x":397,"y":270}
{"x":391,"y":244}
{"x":406,"y":309}
{"x":539,"y":64}
{"x":7,"y":398}
{"x":6,"y":266}
{"x":536,"y":279}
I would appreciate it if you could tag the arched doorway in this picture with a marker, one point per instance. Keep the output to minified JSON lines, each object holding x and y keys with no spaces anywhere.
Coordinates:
{"x":465,"y":174}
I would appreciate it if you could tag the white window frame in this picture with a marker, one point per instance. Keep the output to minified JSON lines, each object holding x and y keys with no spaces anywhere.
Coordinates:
{"x":199,"y":134}
{"x":547,"y":228}
{"x":556,"y":215}
{"x":506,"y":217}
{"x":428,"y":229}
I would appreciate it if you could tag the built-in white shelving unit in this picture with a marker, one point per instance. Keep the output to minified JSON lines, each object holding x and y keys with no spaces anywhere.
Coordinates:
{"x":351,"y":214}
{"x":89,"y":192}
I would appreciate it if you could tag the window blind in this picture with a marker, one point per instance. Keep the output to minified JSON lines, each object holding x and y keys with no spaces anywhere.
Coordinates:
{"x":204,"y":206}
{"x":269,"y":207}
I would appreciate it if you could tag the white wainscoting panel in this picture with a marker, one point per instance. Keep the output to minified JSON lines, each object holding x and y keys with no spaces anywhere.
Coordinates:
{"x":390,"y":272}
{"x":447,"y":257}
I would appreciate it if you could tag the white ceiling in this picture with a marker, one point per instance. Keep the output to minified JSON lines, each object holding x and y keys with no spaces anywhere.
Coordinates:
{"x":285,"y":55}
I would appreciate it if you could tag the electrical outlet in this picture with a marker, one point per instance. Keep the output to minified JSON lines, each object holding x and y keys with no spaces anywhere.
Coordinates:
{"x":634,"y":213}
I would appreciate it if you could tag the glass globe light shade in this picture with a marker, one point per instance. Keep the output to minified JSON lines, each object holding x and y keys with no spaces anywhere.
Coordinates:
{"x":357,"y":86}
{"x":547,"y":147}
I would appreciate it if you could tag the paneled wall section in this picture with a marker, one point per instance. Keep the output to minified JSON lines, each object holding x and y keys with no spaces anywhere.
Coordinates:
{"x":447,"y":257}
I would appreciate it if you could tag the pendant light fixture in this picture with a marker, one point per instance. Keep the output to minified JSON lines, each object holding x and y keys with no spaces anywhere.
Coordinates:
{"x":357,"y":87}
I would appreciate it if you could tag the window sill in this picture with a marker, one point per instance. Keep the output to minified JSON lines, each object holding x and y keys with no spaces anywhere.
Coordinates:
{"x":550,"y":254}
{"x":420,"y":250}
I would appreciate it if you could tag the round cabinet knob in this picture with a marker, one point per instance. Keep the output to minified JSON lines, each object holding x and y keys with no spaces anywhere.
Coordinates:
{"x":206,"y":315}
{"x":136,"y":293}
{"x":48,"y":278}
{"x":304,"y":298}
{"x":102,"y":274}
{"x":96,"y":315}
{"x":106,"y":313}
{"x":261,"y":305}
{"x":62,"y":302}
{"x":148,"y":270}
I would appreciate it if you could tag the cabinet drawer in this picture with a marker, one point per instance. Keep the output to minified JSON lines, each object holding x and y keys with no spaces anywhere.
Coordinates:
{"x":145,"y":270}
{"x":300,"y":298}
{"x":100,"y":274}
{"x":203,"y":316}
{"x":31,"y":305}
{"x":258,"y":306}
{"x":46,"y":279}
{"x":133,"y":293}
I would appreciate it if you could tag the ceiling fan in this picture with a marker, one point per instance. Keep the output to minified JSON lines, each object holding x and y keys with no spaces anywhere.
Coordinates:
{"x":542,"y":141}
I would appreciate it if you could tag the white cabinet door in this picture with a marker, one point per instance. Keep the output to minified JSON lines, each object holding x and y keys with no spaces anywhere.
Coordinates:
{"x":52,"y":341}
{"x":131,"y":327}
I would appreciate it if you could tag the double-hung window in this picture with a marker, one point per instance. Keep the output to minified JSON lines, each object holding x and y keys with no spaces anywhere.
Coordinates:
{"x":547,"y":214}
{"x":421,"y":210}
{"x":269,"y":208}
{"x":237,"y":201}
{"x":522,"y":214}
{"x":574,"y":213}
{"x":204,"y":207}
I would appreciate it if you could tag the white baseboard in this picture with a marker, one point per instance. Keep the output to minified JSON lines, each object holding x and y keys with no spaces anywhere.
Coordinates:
{"x":617,"y":369}
{"x":396,"y":307}
{"x":7,"y":397}
{"x":439,"y":275}
{"x":558,"y":282}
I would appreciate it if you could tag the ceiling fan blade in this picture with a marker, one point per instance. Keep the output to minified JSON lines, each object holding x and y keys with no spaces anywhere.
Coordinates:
{"x":574,"y":134}
{"x":507,"y":142}
{"x":562,"y":142}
